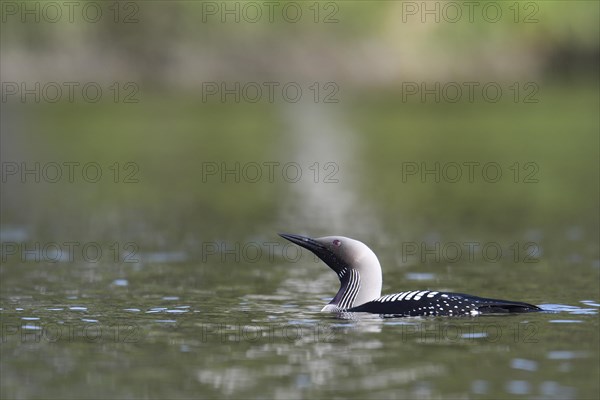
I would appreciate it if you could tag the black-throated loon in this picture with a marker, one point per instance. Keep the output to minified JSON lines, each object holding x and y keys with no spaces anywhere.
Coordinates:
{"x":360,"y":285}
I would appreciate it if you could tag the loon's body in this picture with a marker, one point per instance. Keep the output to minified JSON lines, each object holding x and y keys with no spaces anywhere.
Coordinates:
{"x":360,"y":277}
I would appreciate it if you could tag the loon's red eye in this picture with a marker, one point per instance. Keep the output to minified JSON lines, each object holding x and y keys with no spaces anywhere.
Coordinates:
{"x":337,"y":243}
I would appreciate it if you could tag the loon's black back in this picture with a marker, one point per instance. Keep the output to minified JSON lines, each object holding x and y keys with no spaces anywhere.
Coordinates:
{"x":431,"y":303}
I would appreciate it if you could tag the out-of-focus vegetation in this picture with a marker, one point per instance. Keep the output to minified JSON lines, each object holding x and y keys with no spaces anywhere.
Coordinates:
{"x":184,"y":43}
{"x":369,"y":50}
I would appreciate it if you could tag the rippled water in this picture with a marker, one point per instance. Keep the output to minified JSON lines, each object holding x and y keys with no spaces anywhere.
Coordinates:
{"x":183,"y":329}
{"x":178,"y":288}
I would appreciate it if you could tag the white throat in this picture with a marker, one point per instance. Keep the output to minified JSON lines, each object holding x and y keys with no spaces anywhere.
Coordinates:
{"x":360,"y":281}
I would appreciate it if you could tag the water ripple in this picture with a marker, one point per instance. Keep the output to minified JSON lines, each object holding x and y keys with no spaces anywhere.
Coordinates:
{"x":565,"y":321}
{"x":524,"y":364}
{"x":518,"y":387}
{"x":569,"y":309}
{"x":419,"y":276}
{"x":566,"y":355}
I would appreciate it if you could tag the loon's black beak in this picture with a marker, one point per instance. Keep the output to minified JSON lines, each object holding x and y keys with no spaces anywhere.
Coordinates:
{"x":320,"y":250}
{"x":305,"y":242}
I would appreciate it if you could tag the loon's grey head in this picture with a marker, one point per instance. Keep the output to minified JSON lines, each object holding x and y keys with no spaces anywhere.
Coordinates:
{"x":355,"y":264}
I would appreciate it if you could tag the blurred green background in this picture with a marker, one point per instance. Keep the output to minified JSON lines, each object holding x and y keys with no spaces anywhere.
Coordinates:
{"x":168,"y":52}
{"x":542,"y":55}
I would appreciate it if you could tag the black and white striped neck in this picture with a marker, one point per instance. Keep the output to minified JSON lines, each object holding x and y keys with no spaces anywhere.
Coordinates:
{"x":349,"y":288}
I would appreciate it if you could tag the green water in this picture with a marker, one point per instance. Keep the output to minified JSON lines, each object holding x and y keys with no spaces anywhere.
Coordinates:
{"x":239,"y":330}
{"x":139,"y":255}
{"x":163,"y":280}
